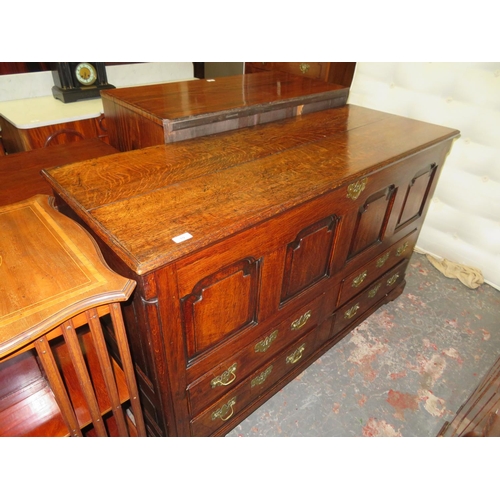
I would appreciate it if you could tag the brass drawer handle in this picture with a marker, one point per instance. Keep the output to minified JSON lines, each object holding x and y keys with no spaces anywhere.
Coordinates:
{"x":225,"y":412}
{"x":401,"y":250}
{"x":226,"y":378}
{"x":392,"y":279}
{"x":260,"y":379}
{"x":265,"y":344}
{"x":304,"y":68}
{"x":382,"y":260}
{"x":359,"y":279}
{"x":296,"y":355}
{"x":299,"y":323}
{"x":350,"y":313}
{"x":355,"y":189}
{"x":374,"y":291}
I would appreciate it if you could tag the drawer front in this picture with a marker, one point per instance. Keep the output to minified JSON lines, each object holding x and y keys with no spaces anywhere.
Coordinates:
{"x":318,"y":70}
{"x":350,"y":312}
{"x":363,"y":276}
{"x":310,"y":69}
{"x":253,"y":67}
{"x":254,"y":386}
{"x":221,"y":379}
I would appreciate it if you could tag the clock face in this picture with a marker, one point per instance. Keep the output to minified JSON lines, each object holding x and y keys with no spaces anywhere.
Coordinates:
{"x":86,"y":74}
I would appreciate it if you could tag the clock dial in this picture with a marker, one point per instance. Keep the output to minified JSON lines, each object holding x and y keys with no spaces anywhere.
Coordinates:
{"x":86,"y":74}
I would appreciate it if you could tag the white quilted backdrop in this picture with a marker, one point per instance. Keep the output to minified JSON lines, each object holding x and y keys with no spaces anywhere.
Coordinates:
{"x":463,"y":222}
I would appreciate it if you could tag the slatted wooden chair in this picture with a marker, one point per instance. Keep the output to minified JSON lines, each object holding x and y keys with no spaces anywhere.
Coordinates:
{"x":59,"y":311}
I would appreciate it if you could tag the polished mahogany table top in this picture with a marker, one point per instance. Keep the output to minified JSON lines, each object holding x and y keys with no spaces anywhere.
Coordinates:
{"x":20,"y":172}
{"x":187,"y":99}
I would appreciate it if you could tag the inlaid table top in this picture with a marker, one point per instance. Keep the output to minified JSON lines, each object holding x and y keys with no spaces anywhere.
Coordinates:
{"x":50,"y":270}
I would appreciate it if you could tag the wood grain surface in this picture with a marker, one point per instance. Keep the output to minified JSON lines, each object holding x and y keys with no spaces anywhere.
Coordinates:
{"x":184,"y":100}
{"x":50,"y":270}
{"x":214,"y":186}
{"x":20,"y":172}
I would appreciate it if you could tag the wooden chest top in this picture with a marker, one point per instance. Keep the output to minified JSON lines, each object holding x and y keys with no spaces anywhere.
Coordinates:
{"x":208,"y":188}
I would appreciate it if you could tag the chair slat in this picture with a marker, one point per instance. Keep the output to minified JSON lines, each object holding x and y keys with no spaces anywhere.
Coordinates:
{"x":128,"y":368}
{"x":56,"y":384}
{"x":83,"y":376}
{"x":107,"y":370}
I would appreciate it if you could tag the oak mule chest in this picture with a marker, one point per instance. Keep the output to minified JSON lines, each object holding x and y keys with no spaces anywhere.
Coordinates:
{"x":255,"y":250}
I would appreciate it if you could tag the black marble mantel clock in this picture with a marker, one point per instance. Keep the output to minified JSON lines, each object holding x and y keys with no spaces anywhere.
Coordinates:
{"x":77,"y":81}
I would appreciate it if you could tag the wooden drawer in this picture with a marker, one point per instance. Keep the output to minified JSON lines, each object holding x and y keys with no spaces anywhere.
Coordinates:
{"x":363,"y":276}
{"x":252,"y":67}
{"x":235,"y":401}
{"x":350,"y":312}
{"x":225,"y":376}
{"x":317,"y":70}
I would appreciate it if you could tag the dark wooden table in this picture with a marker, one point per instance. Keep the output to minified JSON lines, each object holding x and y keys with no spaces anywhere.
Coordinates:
{"x":20,"y":172}
{"x":149,"y":115}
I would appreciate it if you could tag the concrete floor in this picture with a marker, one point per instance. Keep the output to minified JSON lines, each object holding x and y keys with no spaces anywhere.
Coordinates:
{"x":403,"y":372}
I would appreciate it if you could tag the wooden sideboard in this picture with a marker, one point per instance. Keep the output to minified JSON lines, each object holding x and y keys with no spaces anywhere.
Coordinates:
{"x":334,"y":72}
{"x":39,"y":122}
{"x":17,"y":140}
{"x":149,"y":115}
{"x":255,"y":250}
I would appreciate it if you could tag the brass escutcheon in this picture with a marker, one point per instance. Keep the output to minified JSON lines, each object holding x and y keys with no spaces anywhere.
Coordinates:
{"x":374,"y":291}
{"x":296,"y":355}
{"x":225,"y":412}
{"x":350,"y":313}
{"x":401,"y":250}
{"x":299,"y":323}
{"x":226,"y":378}
{"x":392,"y":279}
{"x":304,"y":68}
{"x":382,"y":260}
{"x":355,"y":189}
{"x":260,"y":379}
{"x":359,"y":279}
{"x":265,"y":344}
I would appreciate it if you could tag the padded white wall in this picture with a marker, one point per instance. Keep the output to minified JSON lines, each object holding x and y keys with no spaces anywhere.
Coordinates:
{"x":463,"y":222}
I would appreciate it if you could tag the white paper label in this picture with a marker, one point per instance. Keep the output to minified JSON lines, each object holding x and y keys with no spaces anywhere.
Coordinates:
{"x":182,"y":237}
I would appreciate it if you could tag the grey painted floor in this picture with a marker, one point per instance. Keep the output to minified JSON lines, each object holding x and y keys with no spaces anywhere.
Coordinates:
{"x":403,"y":372}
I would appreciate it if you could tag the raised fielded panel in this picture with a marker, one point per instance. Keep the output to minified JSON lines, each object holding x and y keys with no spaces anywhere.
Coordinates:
{"x":308,"y":257}
{"x":221,"y":305}
{"x":416,"y":195}
{"x":371,"y":221}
